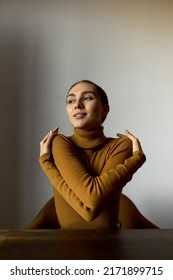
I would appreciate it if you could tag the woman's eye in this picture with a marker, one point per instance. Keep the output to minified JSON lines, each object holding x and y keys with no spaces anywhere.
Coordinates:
{"x":70,"y":101}
{"x":88,"y":98}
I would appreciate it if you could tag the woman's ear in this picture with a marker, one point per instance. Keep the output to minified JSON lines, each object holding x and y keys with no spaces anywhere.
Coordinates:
{"x":106,"y":110}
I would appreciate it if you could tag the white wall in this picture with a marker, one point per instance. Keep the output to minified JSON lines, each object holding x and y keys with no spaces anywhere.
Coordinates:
{"x":45,"y":46}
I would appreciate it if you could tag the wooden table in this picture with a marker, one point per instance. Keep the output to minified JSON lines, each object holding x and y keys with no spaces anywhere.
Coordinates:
{"x":127,"y":244}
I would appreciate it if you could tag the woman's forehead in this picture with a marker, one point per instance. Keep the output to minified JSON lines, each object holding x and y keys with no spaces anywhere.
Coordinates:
{"x":82,"y":87}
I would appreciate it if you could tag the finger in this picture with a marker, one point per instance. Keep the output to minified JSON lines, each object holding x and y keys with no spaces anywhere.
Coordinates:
{"x":130,"y":135}
{"x":56,"y":129}
{"x":121,"y":135}
{"x":45,"y":138}
{"x":50,"y":136}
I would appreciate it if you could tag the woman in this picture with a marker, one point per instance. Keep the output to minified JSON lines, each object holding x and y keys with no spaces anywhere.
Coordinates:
{"x":88,"y":170}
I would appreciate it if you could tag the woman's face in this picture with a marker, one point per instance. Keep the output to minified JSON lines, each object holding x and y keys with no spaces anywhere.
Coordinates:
{"x":84,"y":107}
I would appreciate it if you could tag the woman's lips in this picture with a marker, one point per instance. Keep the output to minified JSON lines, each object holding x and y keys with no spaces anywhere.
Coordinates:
{"x":79,"y":115}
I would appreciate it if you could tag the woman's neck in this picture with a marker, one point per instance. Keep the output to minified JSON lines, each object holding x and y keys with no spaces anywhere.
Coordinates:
{"x":89,"y":139}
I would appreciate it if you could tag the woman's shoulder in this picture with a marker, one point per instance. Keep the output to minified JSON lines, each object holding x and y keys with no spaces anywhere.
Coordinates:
{"x":110,"y":143}
{"x":60,"y":138}
{"x":122,"y":141}
{"x":61,"y":143}
{"x":119,"y":145}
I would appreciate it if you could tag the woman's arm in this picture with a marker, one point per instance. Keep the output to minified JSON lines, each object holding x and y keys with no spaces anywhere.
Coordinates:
{"x":88,"y":213}
{"x":83,"y":192}
{"x":94,"y":191}
{"x":46,"y":162}
{"x":63,"y":189}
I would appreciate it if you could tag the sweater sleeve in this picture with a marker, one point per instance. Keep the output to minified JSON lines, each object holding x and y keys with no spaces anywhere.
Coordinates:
{"x":71,"y":178}
{"x":63,"y":189}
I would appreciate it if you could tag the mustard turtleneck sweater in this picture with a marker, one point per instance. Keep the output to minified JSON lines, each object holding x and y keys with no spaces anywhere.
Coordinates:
{"x":88,"y":171}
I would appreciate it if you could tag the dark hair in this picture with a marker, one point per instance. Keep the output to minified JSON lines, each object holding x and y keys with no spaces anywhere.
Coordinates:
{"x":101,"y":92}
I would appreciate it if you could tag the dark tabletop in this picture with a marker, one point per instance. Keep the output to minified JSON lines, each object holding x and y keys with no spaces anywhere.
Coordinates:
{"x":124,"y":244}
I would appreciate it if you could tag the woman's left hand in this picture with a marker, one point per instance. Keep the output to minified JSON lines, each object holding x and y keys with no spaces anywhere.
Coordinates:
{"x":45,"y":144}
{"x":135,"y":142}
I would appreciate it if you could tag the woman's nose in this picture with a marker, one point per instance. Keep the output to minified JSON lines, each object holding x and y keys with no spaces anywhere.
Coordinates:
{"x":79,"y":105}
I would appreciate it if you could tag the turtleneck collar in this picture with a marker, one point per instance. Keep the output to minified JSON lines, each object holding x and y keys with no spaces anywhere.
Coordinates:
{"x":88,"y":139}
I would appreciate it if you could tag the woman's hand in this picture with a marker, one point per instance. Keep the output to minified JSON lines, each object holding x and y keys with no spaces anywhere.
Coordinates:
{"x":135,"y":142}
{"x":45,"y":144}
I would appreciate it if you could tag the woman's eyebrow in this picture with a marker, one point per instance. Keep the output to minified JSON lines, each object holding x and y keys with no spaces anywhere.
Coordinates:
{"x":83,"y":92}
{"x":71,"y":94}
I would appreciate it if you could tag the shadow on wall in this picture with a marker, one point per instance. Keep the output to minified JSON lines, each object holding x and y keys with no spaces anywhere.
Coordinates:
{"x":11,"y":123}
{"x":13,"y":126}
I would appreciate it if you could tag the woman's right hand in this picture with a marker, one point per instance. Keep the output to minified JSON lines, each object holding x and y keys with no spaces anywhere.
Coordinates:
{"x":136,"y":146}
{"x":45,"y":144}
